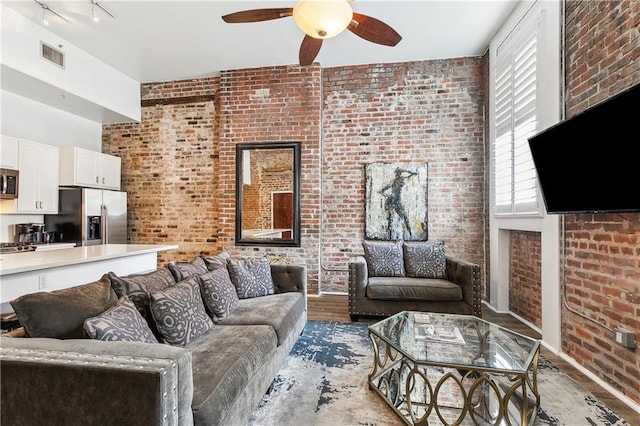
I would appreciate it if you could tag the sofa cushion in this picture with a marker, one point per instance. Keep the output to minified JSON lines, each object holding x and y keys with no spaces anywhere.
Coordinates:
{"x":280,"y":311}
{"x":424,"y":259}
{"x":121,"y":322}
{"x":61,"y":313}
{"x":226,"y":360}
{"x":216,"y":261}
{"x":384,"y":258}
{"x":218,"y":292}
{"x":430,"y":289}
{"x":183,"y":270}
{"x":179,"y":313}
{"x":251,"y":277}
{"x":137,"y":288}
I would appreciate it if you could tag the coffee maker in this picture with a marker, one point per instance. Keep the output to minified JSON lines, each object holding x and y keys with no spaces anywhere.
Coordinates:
{"x":32,"y":233}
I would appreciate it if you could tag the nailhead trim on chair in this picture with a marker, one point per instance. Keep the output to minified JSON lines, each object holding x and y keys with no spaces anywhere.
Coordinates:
{"x":476,"y":302}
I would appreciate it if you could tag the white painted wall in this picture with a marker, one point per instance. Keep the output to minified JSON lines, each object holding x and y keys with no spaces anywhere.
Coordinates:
{"x":24,"y":118}
{"x":85,"y":86}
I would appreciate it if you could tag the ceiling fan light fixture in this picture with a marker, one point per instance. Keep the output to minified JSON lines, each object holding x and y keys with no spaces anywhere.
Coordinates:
{"x":322,"y":18}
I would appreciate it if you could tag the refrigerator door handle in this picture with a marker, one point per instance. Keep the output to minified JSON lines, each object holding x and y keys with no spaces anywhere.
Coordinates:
{"x":105,"y":226}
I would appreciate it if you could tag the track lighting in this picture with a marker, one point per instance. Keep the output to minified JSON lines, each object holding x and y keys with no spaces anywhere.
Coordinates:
{"x":93,"y":12}
{"x":46,"y":10}
{"x":94,"y":15}
{"x":45,"y":13}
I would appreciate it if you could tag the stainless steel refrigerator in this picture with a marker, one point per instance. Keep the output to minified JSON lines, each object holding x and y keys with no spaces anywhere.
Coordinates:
{"x":89,"y":216}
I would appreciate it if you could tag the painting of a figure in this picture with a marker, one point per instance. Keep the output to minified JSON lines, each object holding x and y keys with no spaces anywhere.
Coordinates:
{"x":396,"y":201}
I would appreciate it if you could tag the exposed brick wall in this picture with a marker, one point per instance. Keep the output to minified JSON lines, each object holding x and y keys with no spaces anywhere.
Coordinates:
{"x":169,"y":169}
{"x":602,"y":277}
{"x":525,"y":276}
{"x":273,"y":104}
{"x":603,"y":51}
{"x":602,"y":265}
{"x":420,"y":111}
{"x":405,"y":112}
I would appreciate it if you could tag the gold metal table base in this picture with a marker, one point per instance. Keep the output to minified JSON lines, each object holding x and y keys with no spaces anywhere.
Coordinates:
{"x":485,"y":396}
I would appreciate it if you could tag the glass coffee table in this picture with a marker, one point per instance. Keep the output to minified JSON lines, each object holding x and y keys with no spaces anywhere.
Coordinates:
{"x":454,"y":369}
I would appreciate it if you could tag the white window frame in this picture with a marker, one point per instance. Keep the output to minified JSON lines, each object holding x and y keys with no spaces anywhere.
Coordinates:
{"x":547,"y":14}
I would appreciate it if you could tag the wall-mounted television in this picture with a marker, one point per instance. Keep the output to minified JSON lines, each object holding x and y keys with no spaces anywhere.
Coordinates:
{"x":590,"y":163}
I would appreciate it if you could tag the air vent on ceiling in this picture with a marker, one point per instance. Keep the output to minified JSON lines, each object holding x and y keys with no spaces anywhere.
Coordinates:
{"x":52,"y":54}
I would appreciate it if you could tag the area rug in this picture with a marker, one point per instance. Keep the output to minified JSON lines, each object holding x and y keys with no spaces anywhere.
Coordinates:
{"x":324,"y":382}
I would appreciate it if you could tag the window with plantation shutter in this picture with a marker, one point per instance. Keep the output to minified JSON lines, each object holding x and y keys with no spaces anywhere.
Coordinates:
{"x":515,"y":121}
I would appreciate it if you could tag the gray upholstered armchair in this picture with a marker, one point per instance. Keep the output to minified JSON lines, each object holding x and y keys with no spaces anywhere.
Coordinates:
{"x":394,"y":276}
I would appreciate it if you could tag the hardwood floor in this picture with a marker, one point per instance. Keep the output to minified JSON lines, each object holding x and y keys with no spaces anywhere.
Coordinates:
{"x":334,"y":308}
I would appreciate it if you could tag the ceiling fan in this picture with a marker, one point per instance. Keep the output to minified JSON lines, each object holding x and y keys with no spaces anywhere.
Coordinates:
{"x":321,"y":19}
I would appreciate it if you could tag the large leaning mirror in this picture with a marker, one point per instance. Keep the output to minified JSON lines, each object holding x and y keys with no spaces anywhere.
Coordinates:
{"x":268,"y":194}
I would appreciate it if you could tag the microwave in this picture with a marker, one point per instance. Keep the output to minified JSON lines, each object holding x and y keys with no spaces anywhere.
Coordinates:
{"x":8,"y":184}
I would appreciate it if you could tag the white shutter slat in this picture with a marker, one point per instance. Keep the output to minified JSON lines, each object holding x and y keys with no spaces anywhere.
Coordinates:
{"x":515,"y":182}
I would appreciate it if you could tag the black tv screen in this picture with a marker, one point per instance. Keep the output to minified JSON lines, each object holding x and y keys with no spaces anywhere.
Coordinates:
{"x":590,"y":163}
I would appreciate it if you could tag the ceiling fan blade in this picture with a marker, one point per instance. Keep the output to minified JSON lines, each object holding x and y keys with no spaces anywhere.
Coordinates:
{"x":257,"y":15}
{"x":309,"y":49}
{"x":373,"y":30}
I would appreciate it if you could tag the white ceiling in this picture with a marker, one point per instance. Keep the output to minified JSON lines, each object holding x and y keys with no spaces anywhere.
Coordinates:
{"x":172,"y":40}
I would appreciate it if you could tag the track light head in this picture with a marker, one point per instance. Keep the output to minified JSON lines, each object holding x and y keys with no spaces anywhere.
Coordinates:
{"x":94,"y":17}
{"x":46,"y":10}
{"x":94,"y":14}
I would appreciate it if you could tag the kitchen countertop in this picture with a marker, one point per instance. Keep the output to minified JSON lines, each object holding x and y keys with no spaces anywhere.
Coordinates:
{"x":15,"y":263}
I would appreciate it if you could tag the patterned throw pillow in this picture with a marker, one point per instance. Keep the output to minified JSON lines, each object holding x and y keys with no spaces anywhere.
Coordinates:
{"x":216,"y":261}
{"x":137,"y":288}
{"x":384,"y":258}
{"x":179,"y":312}
{"x":251,"y":277}
{"x":218,"y":292}
{"x":183,"y":270}
{"x":122,"y":323}
{"x":425,"y":260}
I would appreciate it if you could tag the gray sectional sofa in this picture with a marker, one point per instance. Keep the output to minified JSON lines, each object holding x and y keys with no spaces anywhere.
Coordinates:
{"x":217,"y":378}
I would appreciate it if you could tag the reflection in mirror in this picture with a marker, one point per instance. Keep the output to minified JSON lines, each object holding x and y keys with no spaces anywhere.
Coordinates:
{"x":268,"y":194}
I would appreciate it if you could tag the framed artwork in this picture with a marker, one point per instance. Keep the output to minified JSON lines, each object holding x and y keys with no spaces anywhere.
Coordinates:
{"x":396,"y":201}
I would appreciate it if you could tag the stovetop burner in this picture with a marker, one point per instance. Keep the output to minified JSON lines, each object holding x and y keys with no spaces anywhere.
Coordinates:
{"x":6,"y":248}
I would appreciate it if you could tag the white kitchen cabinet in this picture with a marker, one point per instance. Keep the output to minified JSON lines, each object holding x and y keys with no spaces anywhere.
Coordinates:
{"x":8,"y":153}
{"x":38,"y":185}
{"x":110,"y":169}
{"x":92,"y":169}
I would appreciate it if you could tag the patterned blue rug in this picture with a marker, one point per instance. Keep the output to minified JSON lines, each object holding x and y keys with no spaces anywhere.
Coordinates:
{"x":324,"y":382}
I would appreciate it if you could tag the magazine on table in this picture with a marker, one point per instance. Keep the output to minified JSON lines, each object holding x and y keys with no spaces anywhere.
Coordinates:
{"x":438,"y":333}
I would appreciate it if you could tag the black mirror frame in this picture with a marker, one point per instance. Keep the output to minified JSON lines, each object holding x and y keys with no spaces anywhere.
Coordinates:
{"x":295,"y":240}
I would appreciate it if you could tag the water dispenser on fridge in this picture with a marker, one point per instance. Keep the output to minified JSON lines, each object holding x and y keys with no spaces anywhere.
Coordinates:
{"x":94,"y":228}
